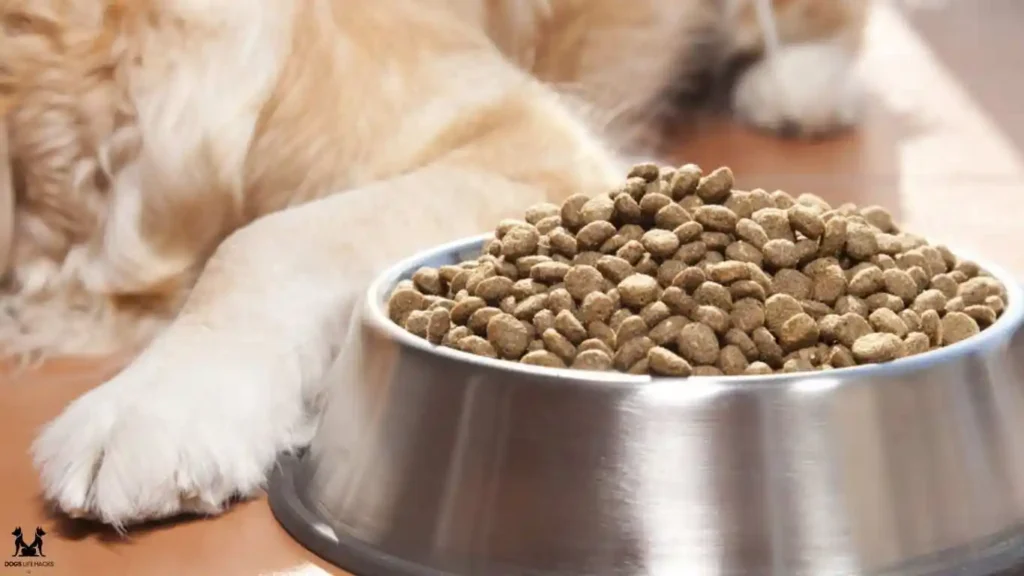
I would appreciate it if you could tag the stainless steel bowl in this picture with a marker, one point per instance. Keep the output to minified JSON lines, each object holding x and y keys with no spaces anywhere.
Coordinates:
{"x":430,"y":461}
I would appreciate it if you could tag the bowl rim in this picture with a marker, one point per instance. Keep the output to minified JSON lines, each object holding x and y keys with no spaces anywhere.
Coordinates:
{"x":375,"y":313}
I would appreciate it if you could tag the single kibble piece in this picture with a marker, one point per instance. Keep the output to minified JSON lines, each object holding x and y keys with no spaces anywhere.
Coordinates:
{"x":546,"y":272}
{"x":739,"y":202}
{"x":931,"y":299}
{"x":689,"y":278}
{"x":878,"y":217}
{"x":664,"y":362}
{"x":476,"y":345}
{"x":716,"y":218}
{"x":728,"y":272}
{"x":594,"y":344}
{"x":614,"y":268}
{"x":861,"y":243}
{"x":667,"y":330}
{"x":558,"y":344}
{"x":885,"y":320}
{"x":715,"y":187}
{"x":916,"y":343}
{"x":592,"y":360}
{"x":638,"y":290}
{"x":417,"y":323}
{"x":738,"y":338}
{"x":884,"y":300}
{"x":594,"y":234}
{"x":427,"y":281}
{"x":799,"y":331}
{"x":957,"y":326}
{"x":713,"y":294}
{"x":402,"y":303}
{"x":834,"y":238}
{"x":751,"y":232}
{"x":660,"y":243}
{"x":769,"y":348}
{"x":649,"y":171}
{"x":878,"y":347}
{"x":541,"y":211}
{"x":984,"y":315}
{"x":671,"y":217}
{"x":714,"y":318}
{"x":631,"y":352}
{"x":698,"y":344}
{"x":582,"y":280}
{"x":520,"y":241}
{"x":732,"y":361}
{"x":715,"y":243}
{"x":976,"y":290}
{"x":747,"y":289}
{"x":866,"y":282}
{"x":797,"y":365}
{"x":747,"y":314}
{"x":850,"y":328}
{"x":778,"y":309}
{"x":438,"y":323}
{"x":780,"y":253}
{"x":791,"y":282}
{"x":900,"y":284}
{"x":775,"y":223}
{"x":655,"y":312}
{"x":495,"y":288}
{"x":685,"y":181}
{"x":526,"y":309}
{"x":569,"y":326}
{"x":806,"y":221}
{"x":652,"y":203}
{"x":631,"y":327}
{"x":596,"y":307}
{"x":543,"y":358}
{"x":828,"y":285}
{"x":840,"y":356}
{"x":598,"y":208}
{"x":851,"y":304}
{"x":758,"y":369}
{"x":507,"y":335}
{"x":744,"y":252}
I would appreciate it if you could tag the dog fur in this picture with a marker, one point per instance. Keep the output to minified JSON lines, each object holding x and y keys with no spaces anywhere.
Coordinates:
{"x":217,"y":185}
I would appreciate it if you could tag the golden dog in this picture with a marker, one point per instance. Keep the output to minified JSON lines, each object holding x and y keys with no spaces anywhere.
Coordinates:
{"x":218,"y":181}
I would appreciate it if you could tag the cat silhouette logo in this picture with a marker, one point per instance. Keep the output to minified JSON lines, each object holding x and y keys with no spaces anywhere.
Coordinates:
{"x":23,"y":550}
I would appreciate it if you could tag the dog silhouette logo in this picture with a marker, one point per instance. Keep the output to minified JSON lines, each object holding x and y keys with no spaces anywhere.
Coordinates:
{"x":23,"y":550}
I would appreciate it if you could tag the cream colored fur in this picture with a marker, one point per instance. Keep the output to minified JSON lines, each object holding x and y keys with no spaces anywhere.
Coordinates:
{"x":218,"y":184}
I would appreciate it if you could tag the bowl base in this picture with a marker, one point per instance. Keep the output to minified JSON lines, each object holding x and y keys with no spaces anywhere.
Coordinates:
{"x":319,"y":538}
{"x":1003,"y":556}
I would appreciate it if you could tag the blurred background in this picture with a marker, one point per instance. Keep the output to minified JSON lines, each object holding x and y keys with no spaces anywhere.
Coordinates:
{"x":942,"y":144}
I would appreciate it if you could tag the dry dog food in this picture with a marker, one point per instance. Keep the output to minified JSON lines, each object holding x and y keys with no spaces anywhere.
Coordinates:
{"x":675,"y":273}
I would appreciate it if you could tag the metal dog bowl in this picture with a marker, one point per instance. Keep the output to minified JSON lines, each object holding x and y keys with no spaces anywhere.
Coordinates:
{"x":430,"y":461}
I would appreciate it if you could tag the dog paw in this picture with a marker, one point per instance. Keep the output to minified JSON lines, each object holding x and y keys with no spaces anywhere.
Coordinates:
{"x":170,"y":435}
{"x":807,"y":90}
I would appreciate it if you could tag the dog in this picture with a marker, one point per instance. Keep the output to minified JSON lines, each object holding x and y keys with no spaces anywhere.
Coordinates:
{"x":216,"y":186}
{"x":34,"y":549}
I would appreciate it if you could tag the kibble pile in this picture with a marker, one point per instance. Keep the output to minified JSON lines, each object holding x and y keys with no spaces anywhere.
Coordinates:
{"x":675,"y":273}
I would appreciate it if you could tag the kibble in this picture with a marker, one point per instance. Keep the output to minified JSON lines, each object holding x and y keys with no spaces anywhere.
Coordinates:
{"x":674,"y":273}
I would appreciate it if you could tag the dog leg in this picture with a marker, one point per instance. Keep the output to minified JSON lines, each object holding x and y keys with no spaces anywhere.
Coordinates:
{"x":200,"y":416}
